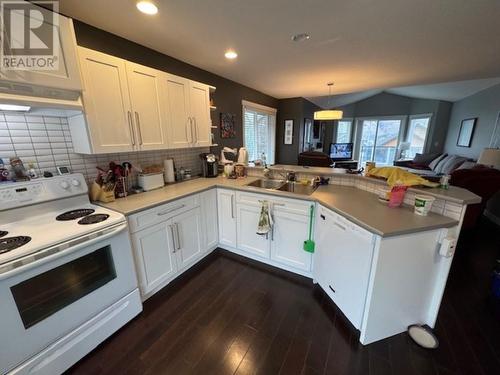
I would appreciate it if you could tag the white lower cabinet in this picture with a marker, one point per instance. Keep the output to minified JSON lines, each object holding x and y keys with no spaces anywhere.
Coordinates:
{"x":283,"y":246}
{"x":342,"y":262}
{"x":208,"y":200}
{"x":226,"y":209}
{"x":187,"y":237}
{"x":154,"y":256}
{"x":287,"y":239}
{"x":165,"y":249}
{"x":248,"y":239}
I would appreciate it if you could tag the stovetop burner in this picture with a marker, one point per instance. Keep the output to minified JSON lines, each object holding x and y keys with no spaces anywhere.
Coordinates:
{"x":74,"y":214}
{"x":3,"y":233}
{"x":11,"y":243}
{"x":93,"y":219}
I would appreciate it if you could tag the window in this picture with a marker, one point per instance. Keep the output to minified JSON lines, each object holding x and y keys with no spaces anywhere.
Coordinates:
{"x":379,"y":140}
{"x":417,"y":134}
{"x":343,"y":131}
{"x":259,"y":128}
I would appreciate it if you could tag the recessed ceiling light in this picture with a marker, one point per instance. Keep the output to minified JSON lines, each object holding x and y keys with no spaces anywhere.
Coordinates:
{"x":147,"y":7}
{"x":14,"y":107}
{"x":300,"y":37}
{"x":231,"y":55}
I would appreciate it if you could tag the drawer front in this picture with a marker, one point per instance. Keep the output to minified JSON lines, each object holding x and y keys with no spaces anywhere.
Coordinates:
{"x":291,"y":205}
{"x":162,"y":213}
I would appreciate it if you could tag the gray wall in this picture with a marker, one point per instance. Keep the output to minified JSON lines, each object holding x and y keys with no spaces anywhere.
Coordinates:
{"x":296,"y":109}
{"x":484,"y":105}
{"x":386,"y":104}
{"x":227,"y":97}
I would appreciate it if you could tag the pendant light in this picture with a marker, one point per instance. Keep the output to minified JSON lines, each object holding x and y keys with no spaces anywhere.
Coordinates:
{"x":328,"y":114}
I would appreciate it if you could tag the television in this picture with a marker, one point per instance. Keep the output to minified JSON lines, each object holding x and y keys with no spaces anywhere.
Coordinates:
{"x":341,"y":151}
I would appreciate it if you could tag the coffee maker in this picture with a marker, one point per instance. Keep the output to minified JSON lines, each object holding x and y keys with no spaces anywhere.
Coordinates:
{"x":209,"y":165}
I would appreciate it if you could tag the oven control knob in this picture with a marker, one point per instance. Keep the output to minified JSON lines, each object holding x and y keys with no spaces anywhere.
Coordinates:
{"x":75,"y":182}
{"x":64,"y":185}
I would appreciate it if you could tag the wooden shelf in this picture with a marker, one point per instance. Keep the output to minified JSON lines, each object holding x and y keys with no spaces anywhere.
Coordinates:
{"x":214,"y":145}
{"x":214,"y":127}
{"x":213,"y":108}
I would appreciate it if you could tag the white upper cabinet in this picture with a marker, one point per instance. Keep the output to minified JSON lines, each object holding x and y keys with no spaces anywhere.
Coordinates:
{"x":131,"y":107}
{"x":147,"y":106}
{"x":62,"y":82}
{"x":199,"y":98}
{"x":188,"y":111}
{"x":180,"y":128}
{"x":107,"y":124}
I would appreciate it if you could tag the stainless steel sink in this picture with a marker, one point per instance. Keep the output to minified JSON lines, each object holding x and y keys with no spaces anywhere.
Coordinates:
{"x":267,"y":184}
{"x":297,"y":188}
{"x":291,"y":187}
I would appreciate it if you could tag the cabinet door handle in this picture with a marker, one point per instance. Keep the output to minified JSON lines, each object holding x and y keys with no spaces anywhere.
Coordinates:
{"x":340,"y":226}
{"x":173,"y":238}
{"x":232,"y":206}
{"x":137,"y":122}
{"x":191,"y":129}
{"x":333,"y":290}
{"x":171,"y":210}
{"x":323,"y":217}
{"x":272,"y":233}
{"x":178,"y":236}
{"x":131,"y":127}
{"x":195,"y":125}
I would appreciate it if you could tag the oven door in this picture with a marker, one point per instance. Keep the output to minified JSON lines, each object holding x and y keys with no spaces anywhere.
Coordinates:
{"x":44,"y":300}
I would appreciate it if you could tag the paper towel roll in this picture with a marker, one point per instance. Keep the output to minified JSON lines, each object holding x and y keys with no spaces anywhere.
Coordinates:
{"x":168,"y":165}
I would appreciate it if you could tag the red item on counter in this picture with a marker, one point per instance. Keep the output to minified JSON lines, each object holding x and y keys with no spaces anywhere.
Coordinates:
{"x":397,"y":196}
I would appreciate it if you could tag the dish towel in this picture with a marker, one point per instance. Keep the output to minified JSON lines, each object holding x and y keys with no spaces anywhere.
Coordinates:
{"x":265,"y":219}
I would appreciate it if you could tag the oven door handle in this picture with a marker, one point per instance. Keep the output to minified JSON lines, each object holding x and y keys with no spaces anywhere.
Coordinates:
{"x":57,"y":251}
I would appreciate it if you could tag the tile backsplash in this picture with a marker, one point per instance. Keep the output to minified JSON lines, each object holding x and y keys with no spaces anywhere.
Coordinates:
{"x":45,"y":141}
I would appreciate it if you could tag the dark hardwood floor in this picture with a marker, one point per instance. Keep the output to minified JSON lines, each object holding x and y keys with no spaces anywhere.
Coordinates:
{"x":229,"y":315}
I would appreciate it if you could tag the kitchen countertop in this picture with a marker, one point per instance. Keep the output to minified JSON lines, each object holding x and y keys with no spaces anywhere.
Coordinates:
{"x":364,"y":209}
{"x":454,"y":193}
{"x":359,"y":206}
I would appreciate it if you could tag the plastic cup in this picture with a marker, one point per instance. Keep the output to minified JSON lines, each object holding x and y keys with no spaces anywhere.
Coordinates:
{"x":423,"y":204}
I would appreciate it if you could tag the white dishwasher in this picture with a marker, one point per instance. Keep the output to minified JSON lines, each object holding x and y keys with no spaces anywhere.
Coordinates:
{"x":342,"y":262}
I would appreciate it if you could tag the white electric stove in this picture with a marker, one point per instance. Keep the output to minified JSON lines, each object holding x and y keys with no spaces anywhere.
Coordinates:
{"x":67,"y":278}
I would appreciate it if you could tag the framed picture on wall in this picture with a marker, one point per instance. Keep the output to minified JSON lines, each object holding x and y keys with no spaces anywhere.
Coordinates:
{"x":227,"y":122}
{"x":288,"y":134}
{"x":466,"y":132}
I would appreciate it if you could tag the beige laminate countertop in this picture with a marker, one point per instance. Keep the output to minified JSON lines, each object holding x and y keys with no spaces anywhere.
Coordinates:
{"x":359,"y":206}
{"x":364,"y":209}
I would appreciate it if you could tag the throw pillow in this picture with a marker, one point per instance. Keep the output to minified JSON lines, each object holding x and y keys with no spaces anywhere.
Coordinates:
{"x":439,"y":167}
{"x":433,"y":164}
{"x":425,"y":159}
{"x":452,"y":164}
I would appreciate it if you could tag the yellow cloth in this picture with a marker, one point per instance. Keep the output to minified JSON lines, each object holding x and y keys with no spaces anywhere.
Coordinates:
{"x":395,"y":175}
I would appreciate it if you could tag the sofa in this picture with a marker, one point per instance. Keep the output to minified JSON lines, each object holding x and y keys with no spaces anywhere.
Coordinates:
{"x":479,"y":179}
{"x":433,"y":166}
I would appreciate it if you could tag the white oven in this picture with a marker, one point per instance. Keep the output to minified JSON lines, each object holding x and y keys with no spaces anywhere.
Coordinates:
{"x":59,"y":303}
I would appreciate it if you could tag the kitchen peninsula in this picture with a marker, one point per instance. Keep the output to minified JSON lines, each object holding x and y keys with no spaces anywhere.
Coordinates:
{"x":381,"y":266}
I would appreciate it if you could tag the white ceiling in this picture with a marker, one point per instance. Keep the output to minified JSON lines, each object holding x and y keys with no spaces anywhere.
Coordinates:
{"x":449,"y":91}
{"x":360,"y":44}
